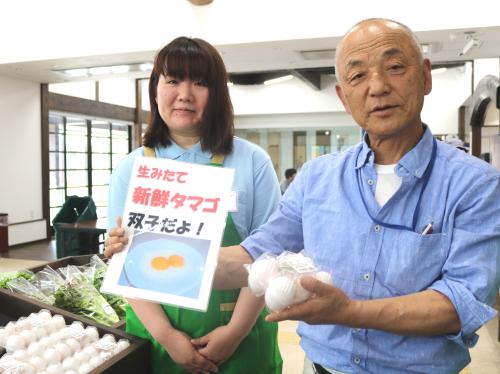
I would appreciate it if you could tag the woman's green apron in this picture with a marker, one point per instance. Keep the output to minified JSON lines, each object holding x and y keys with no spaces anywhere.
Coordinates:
{"x":257,"y":353}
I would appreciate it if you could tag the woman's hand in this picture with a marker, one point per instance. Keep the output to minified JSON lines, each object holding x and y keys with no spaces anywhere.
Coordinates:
{"x":219,"y":344}
{"x":179,"y":347}
{"x":116,"y":241}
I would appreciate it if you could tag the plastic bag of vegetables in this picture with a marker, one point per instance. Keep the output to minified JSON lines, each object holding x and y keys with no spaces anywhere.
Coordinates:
{"x":28,"y":288}
{"x":95,"y":271}
{"x":6,"y":277}
{"x":79,"y":296}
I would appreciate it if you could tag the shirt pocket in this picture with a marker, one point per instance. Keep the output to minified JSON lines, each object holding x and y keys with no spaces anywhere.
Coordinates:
{"x":415,"y":261}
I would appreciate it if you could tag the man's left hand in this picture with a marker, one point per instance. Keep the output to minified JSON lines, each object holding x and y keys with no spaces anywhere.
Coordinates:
{"x":329,"y":304}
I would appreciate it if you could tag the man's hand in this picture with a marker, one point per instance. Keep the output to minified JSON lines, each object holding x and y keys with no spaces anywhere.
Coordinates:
{"x":116,"y":241}
{"x":179,"y":347}
{"x":219,"y":344}
{"x":328,"y":304}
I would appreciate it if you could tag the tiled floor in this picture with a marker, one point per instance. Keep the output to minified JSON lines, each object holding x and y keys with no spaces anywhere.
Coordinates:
{"x":485,"y":355}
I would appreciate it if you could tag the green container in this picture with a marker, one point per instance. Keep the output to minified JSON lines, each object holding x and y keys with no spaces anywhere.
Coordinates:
{"x":73,"y":239}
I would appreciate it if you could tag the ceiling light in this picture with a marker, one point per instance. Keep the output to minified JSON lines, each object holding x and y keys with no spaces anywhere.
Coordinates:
{"x":76,"y":72}
{"x":146,"y":66}
{"x":120,"y":69}
{"x":278,"y":80}
{"x":100,"y":70}
{"x":107,"y":70}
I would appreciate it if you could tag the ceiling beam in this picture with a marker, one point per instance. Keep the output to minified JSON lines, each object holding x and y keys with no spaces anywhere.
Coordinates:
{"x":311,"y":78}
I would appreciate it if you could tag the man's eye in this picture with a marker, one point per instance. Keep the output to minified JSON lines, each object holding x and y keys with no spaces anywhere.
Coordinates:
{"x":396,"y":68}
{"x":356,"y":77}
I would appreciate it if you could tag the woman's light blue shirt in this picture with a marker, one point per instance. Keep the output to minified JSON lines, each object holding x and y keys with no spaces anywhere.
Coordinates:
{"x":255,"y":181}
{"x":323,"y":213}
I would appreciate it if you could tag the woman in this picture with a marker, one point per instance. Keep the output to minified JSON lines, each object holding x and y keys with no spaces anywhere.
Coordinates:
{"x":192,"y":121}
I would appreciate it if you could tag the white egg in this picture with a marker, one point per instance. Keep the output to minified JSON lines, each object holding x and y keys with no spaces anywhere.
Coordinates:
{"x":84,"y":368}
{"x":91,"y":333}
{"x":23,"y":324}
{"x":13,"y":343}
{"x":280,"y":293}
{"x":51,"y":356}
{"x":70,"y":363}
{"x":44,"y":314}
{"x":324,"y":277}
{"x":77,"y":325}
{"x":301,"y":294}
{"x":90,"y":350}
{"x":3,"y":337}
{"x":58,"y":321}
{"x":261,"y":272}
{"x":81,"y":356}
{"x":35,"y":349}
{"x":27,"y":369}
{"x":109,"y":337}
{"x":54,"y":369}
{"x":96,"y":361}
{"x":70,"y":372}
{"x":37,"y":362}
{"x":63,"y":349}
{"x":73,"y":344}
{"x":45,"y":342}
{"x":105,"y":355}
{"x":40,"y":332}
{"x":21,"y":355}
{"x":122,"y":344}
{"x":29,"y":336}
{"x":10,"y":328}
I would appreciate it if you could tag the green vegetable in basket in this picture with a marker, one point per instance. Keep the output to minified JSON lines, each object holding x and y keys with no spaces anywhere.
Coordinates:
{"x":8,"y":276}
{"x":118,"y":303}
{"x":80,"y":297}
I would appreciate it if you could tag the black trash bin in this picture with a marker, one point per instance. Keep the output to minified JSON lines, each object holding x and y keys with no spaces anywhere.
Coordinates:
{"x":4,"y":232}
{"x":75,"y":229}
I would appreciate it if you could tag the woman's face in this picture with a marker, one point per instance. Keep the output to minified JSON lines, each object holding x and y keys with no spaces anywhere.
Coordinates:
{"x":181,"y":104}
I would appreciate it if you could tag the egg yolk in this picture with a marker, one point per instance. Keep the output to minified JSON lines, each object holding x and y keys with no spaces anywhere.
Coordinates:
{"x":176,"y":261}
{"x":163,"y":263}
{"x":160,"y":263}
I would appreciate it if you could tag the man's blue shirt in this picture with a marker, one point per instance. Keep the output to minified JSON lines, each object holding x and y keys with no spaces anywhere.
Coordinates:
{"x":322,"y":212}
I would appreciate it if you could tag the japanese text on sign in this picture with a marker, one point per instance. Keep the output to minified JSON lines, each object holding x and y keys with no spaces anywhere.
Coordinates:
{"x":162,"y":198}
{"x":139,"y":221}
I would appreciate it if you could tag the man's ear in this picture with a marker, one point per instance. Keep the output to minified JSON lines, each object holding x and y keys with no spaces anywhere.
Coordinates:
{"x":427,"y":72}
{"x":341,"y":95}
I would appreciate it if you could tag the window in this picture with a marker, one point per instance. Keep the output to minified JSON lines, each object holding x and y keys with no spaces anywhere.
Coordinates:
{"x":82,"y":154}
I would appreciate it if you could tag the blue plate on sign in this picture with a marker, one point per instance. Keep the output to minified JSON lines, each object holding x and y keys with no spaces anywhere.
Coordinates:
{"x":141,"y":268}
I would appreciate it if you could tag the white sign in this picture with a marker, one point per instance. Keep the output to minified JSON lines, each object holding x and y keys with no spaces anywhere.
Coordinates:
{"x":175,"y":215}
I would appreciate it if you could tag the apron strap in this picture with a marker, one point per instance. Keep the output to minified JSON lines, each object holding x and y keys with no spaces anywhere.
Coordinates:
{"x":149,"y":152}
{"x":217,"y":159}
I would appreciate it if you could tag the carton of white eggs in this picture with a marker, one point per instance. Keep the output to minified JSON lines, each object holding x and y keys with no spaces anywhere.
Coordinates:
{"x":278,"y":278}
{"x":42,"y":343}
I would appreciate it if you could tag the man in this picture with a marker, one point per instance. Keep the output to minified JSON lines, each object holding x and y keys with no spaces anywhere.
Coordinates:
{"x":408,"y":227}
{"x":289,"y":176}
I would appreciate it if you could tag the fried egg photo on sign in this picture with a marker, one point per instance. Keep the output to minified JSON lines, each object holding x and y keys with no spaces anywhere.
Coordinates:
{"x":165,"y":263}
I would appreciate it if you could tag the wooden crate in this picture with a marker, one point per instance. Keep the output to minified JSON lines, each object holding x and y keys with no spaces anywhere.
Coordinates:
{"x":62,"y":262}
{"x":135,"y":359}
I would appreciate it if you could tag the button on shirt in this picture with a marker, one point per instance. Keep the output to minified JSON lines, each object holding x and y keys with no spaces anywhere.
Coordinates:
{"x":323,"y":213}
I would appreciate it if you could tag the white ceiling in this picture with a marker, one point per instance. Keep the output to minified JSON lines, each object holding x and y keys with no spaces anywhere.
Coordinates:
{"x":445,"y":46}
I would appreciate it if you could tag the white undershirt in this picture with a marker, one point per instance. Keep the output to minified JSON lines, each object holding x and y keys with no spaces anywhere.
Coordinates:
{"x":388,"y":183}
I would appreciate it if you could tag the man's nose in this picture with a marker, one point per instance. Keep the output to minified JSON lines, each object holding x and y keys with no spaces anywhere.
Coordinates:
{"x":379,"y":84}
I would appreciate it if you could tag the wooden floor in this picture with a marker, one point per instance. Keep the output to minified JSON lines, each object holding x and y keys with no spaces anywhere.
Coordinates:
{"x":485,"y":355}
